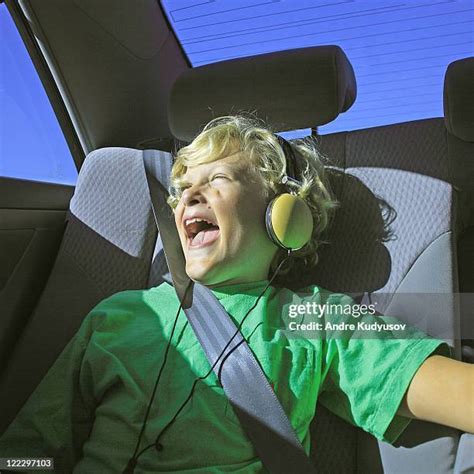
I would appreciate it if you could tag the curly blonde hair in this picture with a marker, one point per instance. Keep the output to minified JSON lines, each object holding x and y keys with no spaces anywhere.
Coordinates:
{"x":227,"y":135}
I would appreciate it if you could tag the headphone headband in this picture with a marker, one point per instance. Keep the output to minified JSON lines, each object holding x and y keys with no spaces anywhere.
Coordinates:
{"x":288,"y":218}
{"x":291,"y":161}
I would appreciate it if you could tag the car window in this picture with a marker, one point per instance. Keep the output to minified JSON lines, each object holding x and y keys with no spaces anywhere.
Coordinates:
{"x":399,"y":50}
{"x":32,"y":145}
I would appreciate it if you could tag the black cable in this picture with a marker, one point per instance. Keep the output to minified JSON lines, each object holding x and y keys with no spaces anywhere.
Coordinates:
{"x":134,"y":459}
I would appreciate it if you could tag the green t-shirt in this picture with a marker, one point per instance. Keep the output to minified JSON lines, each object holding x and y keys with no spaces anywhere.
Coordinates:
{"x":88,"y":410}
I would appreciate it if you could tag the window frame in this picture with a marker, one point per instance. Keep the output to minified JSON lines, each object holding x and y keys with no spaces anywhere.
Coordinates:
{"x":47,"y":80}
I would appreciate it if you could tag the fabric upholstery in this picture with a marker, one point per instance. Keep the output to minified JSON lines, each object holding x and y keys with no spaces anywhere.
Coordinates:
{"x":393,"y":235}
{"x":464,"y":457}
{"x":333,"y":444}
{"x":107,"y":247}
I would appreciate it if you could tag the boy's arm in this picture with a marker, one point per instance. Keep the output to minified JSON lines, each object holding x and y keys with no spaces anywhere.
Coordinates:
{"x":442,"y":391}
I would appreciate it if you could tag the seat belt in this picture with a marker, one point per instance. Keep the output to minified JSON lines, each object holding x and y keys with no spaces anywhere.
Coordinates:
{"x":246,"y":386}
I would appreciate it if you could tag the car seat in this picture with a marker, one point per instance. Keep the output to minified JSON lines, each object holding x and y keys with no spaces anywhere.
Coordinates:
{"x":110,"y":240}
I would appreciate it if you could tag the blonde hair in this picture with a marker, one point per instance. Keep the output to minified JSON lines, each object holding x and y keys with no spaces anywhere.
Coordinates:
{"x":248,"y":135}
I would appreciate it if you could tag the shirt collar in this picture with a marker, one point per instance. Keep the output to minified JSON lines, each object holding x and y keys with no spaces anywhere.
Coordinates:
{"x":249,"y":288}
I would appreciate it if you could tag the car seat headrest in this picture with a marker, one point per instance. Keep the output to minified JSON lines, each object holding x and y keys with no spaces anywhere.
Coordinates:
{"x":459,"y":99}
{"x":293,"y":89}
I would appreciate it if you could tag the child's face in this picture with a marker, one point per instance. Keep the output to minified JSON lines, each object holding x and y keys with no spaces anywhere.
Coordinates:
{"x":236,"y":249}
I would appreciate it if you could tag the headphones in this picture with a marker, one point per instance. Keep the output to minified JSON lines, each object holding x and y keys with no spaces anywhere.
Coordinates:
{"x":288,"y":218}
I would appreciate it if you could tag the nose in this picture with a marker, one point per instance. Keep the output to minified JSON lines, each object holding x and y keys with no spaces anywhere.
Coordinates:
{"x":192,"y":196}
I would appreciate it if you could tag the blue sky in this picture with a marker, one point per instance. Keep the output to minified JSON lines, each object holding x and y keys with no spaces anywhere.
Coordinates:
{"x":31,"y":143}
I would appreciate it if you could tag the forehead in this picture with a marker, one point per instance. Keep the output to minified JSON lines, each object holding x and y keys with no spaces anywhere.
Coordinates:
{"x":236,"y":163}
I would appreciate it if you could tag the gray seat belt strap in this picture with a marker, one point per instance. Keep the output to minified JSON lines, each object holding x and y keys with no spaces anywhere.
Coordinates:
{"x":246,"y":386}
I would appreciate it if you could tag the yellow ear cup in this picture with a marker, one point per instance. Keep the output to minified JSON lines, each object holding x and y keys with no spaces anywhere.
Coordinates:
{"x":289,"y":221}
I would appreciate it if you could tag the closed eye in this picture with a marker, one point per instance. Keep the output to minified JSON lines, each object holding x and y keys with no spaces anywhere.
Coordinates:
{"x":219,"y":176}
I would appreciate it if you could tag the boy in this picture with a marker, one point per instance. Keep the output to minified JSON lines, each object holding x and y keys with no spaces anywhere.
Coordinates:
{"x":88,"y":412}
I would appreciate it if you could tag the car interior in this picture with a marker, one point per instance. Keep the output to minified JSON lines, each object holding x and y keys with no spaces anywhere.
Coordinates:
{"x":405,"y":225}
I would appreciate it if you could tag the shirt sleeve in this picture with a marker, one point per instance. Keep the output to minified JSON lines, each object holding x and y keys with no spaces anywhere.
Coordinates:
{"x":366,"y":373}
{"x":57,"y":418}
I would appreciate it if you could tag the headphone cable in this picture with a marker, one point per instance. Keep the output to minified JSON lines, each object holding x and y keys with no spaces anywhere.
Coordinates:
{"x":129,"y":469}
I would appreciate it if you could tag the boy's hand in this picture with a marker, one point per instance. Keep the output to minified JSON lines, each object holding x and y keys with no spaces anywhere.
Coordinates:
{"x":442,"y":391}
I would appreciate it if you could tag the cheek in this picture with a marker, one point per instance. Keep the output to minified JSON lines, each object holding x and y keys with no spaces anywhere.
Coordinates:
{"x":177,"y":212}
{"x":242,"y":216}
{"x":178,"y":217}
{"x":253,"y":221}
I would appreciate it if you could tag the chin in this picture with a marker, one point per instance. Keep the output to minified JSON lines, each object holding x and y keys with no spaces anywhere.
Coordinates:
{"x":198,"y":275}
{"x":207,"y":278}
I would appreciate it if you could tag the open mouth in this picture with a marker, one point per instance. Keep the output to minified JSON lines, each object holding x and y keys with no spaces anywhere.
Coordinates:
{"x":201,"y":232}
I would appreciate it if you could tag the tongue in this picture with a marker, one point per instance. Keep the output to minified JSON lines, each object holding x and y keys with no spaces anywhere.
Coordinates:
{"x":205,"y":236}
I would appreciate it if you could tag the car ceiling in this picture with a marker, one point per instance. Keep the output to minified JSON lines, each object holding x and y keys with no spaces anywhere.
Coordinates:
{"x":114,"y":62}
